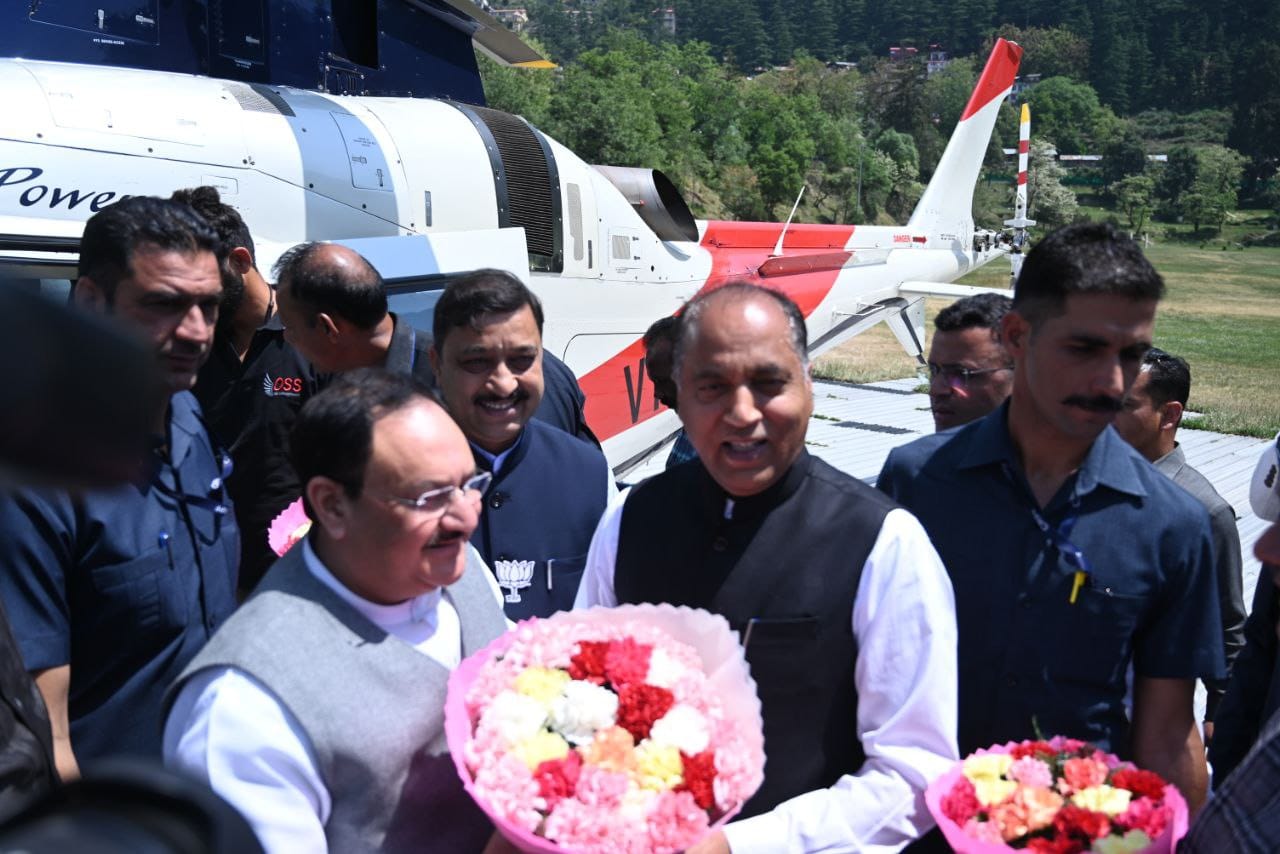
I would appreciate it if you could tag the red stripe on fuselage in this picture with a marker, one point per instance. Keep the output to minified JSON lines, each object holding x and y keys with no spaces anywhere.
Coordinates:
{"x":619,"y":394}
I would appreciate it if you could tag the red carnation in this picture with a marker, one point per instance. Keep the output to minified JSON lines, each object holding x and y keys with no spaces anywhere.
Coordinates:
{"x":627,"y":662}
{"x":557,"y":778}
{"x":1074,"y":821}
{"x":699,"y":774}
{"x":640,"y":707}
{"x":1056,"y":845}
{"x":961,"y":803}
{"x":588,"y":663}
{"x":1034,"y":749}
{"x":1144,"y":784}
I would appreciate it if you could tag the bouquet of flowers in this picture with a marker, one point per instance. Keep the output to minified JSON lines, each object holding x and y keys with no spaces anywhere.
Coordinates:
{"x":290,"y":526}
{"x":1059,"y":796}
{"x":633,"y":729}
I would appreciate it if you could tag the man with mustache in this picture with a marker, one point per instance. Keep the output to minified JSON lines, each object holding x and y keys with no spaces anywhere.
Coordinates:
{"x":549,"y":489}
{"x":111,"y":592}
{"x":318,"y":709}
{"x":1072,"y":558}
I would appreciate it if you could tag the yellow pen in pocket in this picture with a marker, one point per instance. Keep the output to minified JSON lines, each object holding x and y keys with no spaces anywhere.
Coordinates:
{"x":1080,"y":577}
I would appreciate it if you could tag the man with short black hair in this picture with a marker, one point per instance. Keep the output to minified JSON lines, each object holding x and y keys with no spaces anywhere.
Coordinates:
{"x":318,"y":710}
{"x":1072,"y":559}
{"x":548,"y":488}
{"x":844,"y":608}
{"x":251,"y":388}
{"x":969,"y":370}
{"x":111,"y":592}
{"x":1149,"y":422}
{"x":659,"y":362}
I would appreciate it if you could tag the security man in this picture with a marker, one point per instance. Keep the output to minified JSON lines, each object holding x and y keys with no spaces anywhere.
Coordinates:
{"x":111,"y":592}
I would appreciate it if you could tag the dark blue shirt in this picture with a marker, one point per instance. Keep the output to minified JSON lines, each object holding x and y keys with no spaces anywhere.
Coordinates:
{"x":539,"y":515}
{"x":1028,"y":656}
{"x":124,"y":585}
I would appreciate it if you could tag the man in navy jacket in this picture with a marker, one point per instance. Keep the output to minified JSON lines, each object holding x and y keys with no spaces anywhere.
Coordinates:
{"x":549,"y":489}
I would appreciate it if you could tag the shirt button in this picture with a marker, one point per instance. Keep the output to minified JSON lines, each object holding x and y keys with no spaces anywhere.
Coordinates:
{"x":719,"y":544}
{"x":497,"y":500}
{"x":1011,"y":681}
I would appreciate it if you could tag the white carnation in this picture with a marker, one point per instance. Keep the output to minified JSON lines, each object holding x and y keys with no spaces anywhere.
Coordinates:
{"x":514,"y":717}
{"x":684,"y":728}
{"x":582,"y":710}
{"x":664,"y":671}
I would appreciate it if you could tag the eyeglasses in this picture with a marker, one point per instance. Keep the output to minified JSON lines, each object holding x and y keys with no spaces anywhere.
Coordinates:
{"x":434,"y":502}
{"x":958,"y":377}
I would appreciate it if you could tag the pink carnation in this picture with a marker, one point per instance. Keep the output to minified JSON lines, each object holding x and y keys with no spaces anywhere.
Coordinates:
{"x":738,"y":775}
{"x":1062,"y":744}
{"x":1143,"y":814}
{"x":508,"y":787}
{"x":494,"y":678}
{"x":627,"y":662}
{"x":600,"y":788}
{"x":983,"y":831}
{"x":1084,"y":773}
{"x":576,"y":826}
{"x":675,"y":822}
{"x":1031,"y":772}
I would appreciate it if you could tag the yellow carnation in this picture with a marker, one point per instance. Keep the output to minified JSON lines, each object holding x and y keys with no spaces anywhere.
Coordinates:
{"x":658,"y":766}
{"x":1103,"y":799}
{"x":993,"y":791}
{"x":988,"y":766}
{"x":540,"y":747}
{"x":543,"y":684}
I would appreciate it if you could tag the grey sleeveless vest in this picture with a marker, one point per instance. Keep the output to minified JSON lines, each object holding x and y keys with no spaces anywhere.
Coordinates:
{"x":372,"y":706}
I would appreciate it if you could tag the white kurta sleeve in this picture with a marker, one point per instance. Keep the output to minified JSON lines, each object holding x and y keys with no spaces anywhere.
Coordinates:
{"x":596,"y":587}
{"x":905,"y":625}
{"x":227,"y":730}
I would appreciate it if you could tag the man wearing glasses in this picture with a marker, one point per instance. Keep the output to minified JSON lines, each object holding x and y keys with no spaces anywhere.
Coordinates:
{"x":1072,"y":558}
{"x":969,"y":369}
{"x":112,"y":591}
{"x":318,"y":709}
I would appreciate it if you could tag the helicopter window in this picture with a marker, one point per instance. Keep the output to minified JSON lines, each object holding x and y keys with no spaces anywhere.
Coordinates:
{"x":238,"y":29}
{"x":135,"y":20}
{"x":355,"y":31}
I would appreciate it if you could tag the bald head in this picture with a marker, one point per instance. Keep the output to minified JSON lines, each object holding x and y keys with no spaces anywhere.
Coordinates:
{"x":332,"y":279}
{"x":741,"y":294}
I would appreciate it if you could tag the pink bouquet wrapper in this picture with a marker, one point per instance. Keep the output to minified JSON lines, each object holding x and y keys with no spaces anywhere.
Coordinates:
{"x":289,"y":526}
{"x":962,"y":842}
{"x":723,"y":662}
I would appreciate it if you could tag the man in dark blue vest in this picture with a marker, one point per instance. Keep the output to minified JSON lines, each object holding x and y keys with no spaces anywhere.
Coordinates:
{"x":844,"y":608}
{"x":549,"y":489}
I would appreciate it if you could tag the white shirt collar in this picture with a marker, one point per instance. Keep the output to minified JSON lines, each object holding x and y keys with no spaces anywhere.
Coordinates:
{"x":420,"y":609}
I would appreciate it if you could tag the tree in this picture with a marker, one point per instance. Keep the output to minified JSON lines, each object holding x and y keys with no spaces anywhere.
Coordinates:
{"x":1049,"y":202}
{"x":1067,"y":112}
{"x":1124,"y":155}
{"x":1135,"y":195}
{"x":1050,"y":51}
{"x":1214,"y":193}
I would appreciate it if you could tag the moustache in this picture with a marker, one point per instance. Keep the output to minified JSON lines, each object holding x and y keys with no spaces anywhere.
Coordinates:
{"x":444,"y":538}
{"x":1100,"y":403}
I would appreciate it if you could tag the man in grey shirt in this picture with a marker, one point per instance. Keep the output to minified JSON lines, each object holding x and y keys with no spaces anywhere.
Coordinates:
{"x":1149,"y":422}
